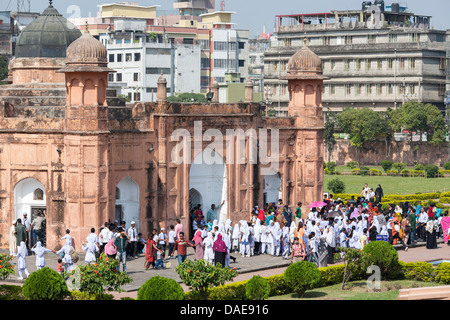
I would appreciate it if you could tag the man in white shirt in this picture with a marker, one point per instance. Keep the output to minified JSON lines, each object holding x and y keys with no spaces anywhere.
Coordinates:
{"x":104,"y":236}
{"x":132,"y":240}
{"x":162,"y":240}
{"x":423,"y":219}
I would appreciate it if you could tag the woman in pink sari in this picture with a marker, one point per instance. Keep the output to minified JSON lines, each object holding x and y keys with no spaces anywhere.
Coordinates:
{"x":199,"y":245}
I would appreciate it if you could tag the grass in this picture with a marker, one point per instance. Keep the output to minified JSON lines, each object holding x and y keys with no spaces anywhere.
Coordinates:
{"x":358,"y":290}
{"x":391,"y":185}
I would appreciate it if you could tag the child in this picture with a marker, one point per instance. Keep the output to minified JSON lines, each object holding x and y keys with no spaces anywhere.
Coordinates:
{"x":60,"y":267}
{"x":235,"y":237}
{"x":209,"y":225}
{"x":313,"y":244}
{"x":22,"y":261}
{"x":162,"y":241}
{"x":298,"y":251}
{"x":159,"y":257}
{"x":140,"y":243}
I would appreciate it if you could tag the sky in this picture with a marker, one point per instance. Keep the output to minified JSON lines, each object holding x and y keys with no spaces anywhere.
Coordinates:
{"x":252,"y":14}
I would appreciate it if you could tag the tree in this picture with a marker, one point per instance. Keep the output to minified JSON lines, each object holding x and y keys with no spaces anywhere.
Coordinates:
{"x":188,"y":97}
{"x":200,"y":275}
{"x":3,"y":68}
{"x":436,"y":128}
{"x":328,"y":135}
{"x":355,"y":261}
{"x":336,"y":185}
{"x":362,"y":125}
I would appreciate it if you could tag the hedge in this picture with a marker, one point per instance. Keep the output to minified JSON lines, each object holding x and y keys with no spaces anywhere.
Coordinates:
{"x":419,"y":271}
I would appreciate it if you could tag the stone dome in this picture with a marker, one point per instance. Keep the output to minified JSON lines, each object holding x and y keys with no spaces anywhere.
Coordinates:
{"x":304,"y":63}
{"x":47,"y":37}
{"x":86,"y":50}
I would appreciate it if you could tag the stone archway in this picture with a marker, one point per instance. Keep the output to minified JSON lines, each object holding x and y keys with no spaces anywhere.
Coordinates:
{"x":127,"y":201}
{"x":30,"y":198}
{"x":209,"y":179}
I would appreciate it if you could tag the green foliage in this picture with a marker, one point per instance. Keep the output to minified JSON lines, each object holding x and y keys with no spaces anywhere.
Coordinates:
{"x":419,"y":271}
{"x":6,"y":266}
{"x":160,"y":288}
{"x":331,"y":166}
{"x":45,"y":284}
{"x":200,"y":275}
{"x":355,"y":263}
{"x":431,"y":170}
{"x":443,"y":273}
{"x":188,"y":97}
{"x":10,"y":292}
{"x":383,"y":255}
{"x":3,"y":68}
{"x":328,"y":136}
{"x":257,"y":288}
{"x":99,"y":277}
{"x":352,"y":164}
{"x":447,"y":165}
{"x":336,"y":185}
{"x":332,"y":275}
{"x":302,"y":276}
{"x":419,"y":167}
{"x":386,"y":165}
{"x":399,"y":166}
{"x":364,"y":171}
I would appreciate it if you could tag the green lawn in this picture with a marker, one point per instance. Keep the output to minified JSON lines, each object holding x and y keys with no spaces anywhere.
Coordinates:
{"x":358,"y":290}
{"x":391,"y":185}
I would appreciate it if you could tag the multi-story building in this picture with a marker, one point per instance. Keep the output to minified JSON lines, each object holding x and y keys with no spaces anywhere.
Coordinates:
{"x":196,"y":28}
{"x":374,"y":57}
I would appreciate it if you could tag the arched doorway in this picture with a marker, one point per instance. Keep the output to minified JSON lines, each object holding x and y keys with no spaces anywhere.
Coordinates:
{"x":30,"y":198}
{"x":272,"y":188}
{"x":208,"y":177}
{"x":127,"y":202}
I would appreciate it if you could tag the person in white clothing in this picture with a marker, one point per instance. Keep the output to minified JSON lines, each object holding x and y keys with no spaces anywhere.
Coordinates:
{"x":276,"y":234}
{"x":133,"y":240}
{"x":91,"y":248}
{"x":209,"y":252}
{"x":22,"y":253}
{"x":257,"y":236}
{"x":39,"y":250}
{"x":264,"y":236}
{"x":235,"y":237}
{"x":104,"y":236}
{"x":270,"y":239}
{"x":13,"y":240}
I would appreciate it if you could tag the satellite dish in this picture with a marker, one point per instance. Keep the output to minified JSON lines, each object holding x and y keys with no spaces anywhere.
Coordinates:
{"x":374,"y":22}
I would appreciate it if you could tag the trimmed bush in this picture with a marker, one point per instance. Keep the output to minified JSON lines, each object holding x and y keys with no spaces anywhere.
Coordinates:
{"x":364,"y":171}
{"x":257,"y":288}
{"x":383,"y":255}
{"x":160,"y":288}
{"x":443,"y":273}
{"x":419,"y":271}
{"x":352,"y":164}
{"x":386,"y":165}
{"x":431,"y":170}
{"x":45,"y":284}
{"x":447,"y":165}
{"x":336,"y":185}
{"x":302,"y":276}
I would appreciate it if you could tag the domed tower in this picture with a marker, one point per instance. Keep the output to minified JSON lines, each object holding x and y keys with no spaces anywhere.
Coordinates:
{"x":305,"y":83}
{"x":86,"y":79}
{"x":41,"y":48}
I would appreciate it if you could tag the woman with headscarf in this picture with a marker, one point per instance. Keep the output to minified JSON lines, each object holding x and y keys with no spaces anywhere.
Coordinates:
{"x":91,"y":248}
{"x":209,"y":252}
{"x":39,"y":251}
{"x":110,"y":249}
{"x":431,"y":234}
{"x":277,"y":234}
{"x":270,"y":239}
{"x":235,"y":237}
{"x":150,"y":252}
{"x":220,"y":250}
{"x":199,"y":245}
{"x":13,"y":240}
{"x":245,"y":241}
{"x":22,"y":253}
{"x":292,"y":229}
{"x":228,"y":229}
{"x":263,"y":244}
{"x":257,"y":236}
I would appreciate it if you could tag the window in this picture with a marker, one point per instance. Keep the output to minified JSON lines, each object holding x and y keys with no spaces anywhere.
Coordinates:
{"x":371,"y":39}
{"x":379,"y":64}
{"x":241,"y":45}
{"x":332,"y":89}
{"x":137,"y":96}
{"x":204,"y":44}
{"x":358,"y":89}
{"x":38,"y":194}
{"x":358,"y":64}
{"x":326,"y":41}
{"x":442,"y":63}
{"x":402,"y":63}
{"x":204,"y":81}
{"x":347,"y":64}
{"x":119,"y":57}
{"x":224,"y":46}
{"x":118,"y":77}
{"x":368,"y":64}
{"x":128,"y":57}
{"x":390,"y":63}
{"x":157,"y":70}
{"x":241,"y":63}
{"x":136,"y":76}
{"x":414,"y":37}
{"x":222,"y":64}
{"x":348,"y":39}
{"x":368,"y":89}
{"x":441,"y":89}
{"x":332,"y":64}
{"x":392,"y":38}
{"x":137,"y":57}
{"x":111,"y":58}
{"x":390,"y":88}
{"x":111,"y":77}
{"x":348,"y":89}
{"x":412,"y":63}
{"x":379,"y":89}
{"x":205,"y":63}
{"x":411,"y":88}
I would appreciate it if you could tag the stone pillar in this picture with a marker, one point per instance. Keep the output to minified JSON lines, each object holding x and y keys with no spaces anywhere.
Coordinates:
{"x":215,"y":91}
{"x":248,"y":91}
{"x":161,"y":94}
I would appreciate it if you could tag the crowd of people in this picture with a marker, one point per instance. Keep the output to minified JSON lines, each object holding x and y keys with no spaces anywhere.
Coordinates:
{"x":273,"y":230}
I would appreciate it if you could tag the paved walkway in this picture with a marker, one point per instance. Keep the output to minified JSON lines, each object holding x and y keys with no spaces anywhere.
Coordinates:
{"x":263,"y":265}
